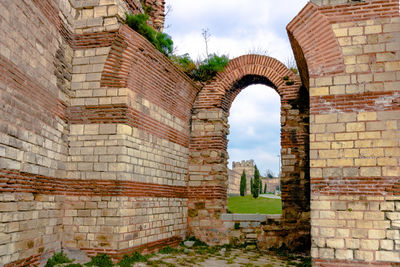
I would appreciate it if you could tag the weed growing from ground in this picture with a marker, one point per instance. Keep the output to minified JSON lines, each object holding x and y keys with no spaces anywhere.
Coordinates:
{"x":58,"y":258}
{"x":101,"y":260}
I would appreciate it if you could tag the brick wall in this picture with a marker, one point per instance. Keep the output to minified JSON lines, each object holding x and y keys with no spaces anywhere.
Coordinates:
{"x":91,"y":158}
{"x":208,"y":143}
{"x":354,"y":134}
{"x":106,"y":146}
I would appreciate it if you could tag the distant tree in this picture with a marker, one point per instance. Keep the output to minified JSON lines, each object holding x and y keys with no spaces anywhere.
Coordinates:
{"x":260,"y":186}
{"x":251,"y":186}
{"x":243,"y":184}
{"x":256,"y":183}
{"x":269,"y":174}
{"x":265,"y":188}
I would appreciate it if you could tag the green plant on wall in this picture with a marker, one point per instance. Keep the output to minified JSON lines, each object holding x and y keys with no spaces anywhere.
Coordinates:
{"x":201,"y":71}
{"x":161,"y":41}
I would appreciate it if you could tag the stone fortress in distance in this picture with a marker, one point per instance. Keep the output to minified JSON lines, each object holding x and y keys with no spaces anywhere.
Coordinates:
{"x":107,"y":147}
{"x":247,"y":166}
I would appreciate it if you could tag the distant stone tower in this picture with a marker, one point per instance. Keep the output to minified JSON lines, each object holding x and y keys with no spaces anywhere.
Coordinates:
{"x":236,"y":173}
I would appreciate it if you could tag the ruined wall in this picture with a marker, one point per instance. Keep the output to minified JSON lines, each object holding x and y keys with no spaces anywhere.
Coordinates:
{"x":93,"y":155}
{"x":234,"y":179}
{"x":234,"y":182}
{"x":208,"y":174}
{"x":272,"y":184}
{"x":95,"y":123}
{"x":353,"y":60}
{"x":35,"y":67}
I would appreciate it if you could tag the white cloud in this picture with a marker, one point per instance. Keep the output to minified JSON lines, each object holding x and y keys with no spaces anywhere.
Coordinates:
{"x":238,"y":27}
{"x":255,"y":104}
{"x":255,"y":127}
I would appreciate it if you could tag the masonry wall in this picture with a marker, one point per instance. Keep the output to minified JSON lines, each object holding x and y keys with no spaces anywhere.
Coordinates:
{"x":95,"y":126}
{"x":354,"y":128}
{"x":33,"y":128}
{"x":208,"y":172}
{"x":91,"y":156}
{"x":248,"y":167}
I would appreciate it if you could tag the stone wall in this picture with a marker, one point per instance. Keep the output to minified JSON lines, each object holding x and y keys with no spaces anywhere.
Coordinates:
{"x":264,"y":230}
{"x":354,"y":83}
{"x":234,"y":177}
{"x":208,"y":173}
{"x":234,"y":182}
{"x":238,"y":167}
{"x":91,"y":157}
{"x":106,"y":146}
{"x":273,"y":184}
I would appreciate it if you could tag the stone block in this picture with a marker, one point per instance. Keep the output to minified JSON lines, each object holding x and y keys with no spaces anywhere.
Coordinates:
{"x":344,"y":254}
{"x":327,"y":232}
{"x":100,"y":11}
{"x":370,"y":171}
{"x":352,"y":243}
{"x":376,"y":234}
{"x":388,"y":256}
{"x":386,"y":245}
{"x":319,"y":91}
{"x":327,"y":253}
{"x":355,"y":127}
{"x":369,"y":244}
{"x":373,"y":29}
{"x":107,"y":129}
{"x":364,"y":255}
{"x":341,"y":32}
{"x":367,"y":116}
{"x":356,"y":31}
{"x":352,"y":50}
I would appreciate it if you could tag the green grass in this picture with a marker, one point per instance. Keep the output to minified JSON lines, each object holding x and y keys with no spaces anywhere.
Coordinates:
{"x":248,"y":204}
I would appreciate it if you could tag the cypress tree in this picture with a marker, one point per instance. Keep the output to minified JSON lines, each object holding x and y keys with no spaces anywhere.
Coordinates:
{"x":256,"y":183}
{"x":243,"y":184}
{"x":251,"y":186}
{"x":265,"y":188}
{"x":260,"y":186}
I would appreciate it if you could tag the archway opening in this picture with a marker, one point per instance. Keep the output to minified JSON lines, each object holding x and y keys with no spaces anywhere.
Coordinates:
{"x":254,"y":141}
{"x":208,"y":160}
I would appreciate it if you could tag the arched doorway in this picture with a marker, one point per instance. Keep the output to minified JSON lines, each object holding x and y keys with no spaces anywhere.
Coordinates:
{"x":207,"y":181}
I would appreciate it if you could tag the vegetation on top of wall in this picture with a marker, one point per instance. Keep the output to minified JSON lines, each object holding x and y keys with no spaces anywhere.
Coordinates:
{"x":160,"y":40}
{"x":202,"y":71}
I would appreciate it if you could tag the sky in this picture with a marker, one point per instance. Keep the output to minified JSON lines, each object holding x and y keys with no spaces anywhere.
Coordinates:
{"x":239,"y":27}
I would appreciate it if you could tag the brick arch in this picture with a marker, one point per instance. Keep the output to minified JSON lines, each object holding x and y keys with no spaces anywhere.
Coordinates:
{"x":208,"y":159}
{"x":263,"y":69}
{"x":314,"y":43}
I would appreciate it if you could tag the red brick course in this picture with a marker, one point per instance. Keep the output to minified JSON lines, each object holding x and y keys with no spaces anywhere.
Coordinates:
{"x":14,"y":181}
{"x":369,"y":101}
{"x":134,"y":63}
{"x":126,"y":115}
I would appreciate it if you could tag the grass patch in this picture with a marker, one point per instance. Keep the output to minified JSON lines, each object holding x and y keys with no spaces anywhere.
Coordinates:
{"x":248,"y":204}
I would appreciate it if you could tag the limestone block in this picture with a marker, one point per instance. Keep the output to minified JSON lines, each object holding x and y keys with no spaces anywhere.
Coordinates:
{"x":391,"y":256}
{"x":386,"y":244}
{"x":364,"y":255}
{"x":344,"y":254}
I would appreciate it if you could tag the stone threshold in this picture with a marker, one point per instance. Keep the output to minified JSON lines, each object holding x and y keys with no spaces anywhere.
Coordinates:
{"x":249,"y":217}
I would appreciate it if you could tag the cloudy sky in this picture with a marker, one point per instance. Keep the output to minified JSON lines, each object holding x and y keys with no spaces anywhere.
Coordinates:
{"x":240,"y":27}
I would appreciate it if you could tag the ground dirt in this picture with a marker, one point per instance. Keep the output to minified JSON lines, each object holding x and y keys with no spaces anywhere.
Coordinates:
{"x":224,"y":257}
